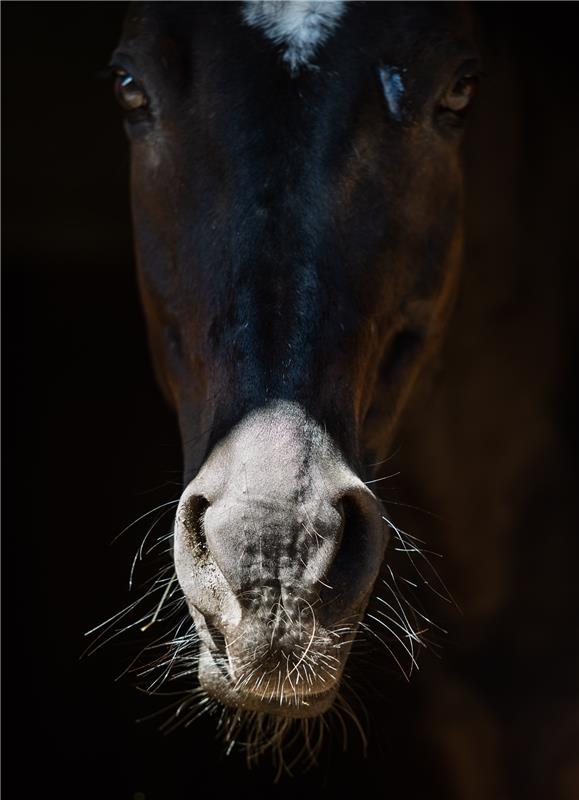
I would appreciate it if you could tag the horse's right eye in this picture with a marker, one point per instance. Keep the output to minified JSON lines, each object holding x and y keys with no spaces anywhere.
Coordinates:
{"x":130,"y":95}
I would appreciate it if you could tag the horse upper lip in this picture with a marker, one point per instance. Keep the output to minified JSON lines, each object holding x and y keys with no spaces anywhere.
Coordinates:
{"x":288,"y":701}
{"x":281,"y":703}
{"x":223,"y":687}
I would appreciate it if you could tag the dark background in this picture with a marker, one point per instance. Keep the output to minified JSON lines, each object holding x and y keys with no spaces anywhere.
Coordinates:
{"x":88,"y":443}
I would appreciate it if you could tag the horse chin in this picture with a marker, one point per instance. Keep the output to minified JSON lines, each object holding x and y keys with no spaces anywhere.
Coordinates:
{"x":299,"y":703}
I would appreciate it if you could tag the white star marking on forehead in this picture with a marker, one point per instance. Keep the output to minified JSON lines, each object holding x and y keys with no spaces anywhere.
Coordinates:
{"x":299,"y":26}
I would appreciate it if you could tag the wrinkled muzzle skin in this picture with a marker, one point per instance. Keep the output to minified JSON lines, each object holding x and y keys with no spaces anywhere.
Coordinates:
{"x":298,"y":237}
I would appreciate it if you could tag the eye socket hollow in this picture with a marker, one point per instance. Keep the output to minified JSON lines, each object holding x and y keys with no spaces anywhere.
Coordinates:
{"x":461,"y":95}
{"x":130,"y":95}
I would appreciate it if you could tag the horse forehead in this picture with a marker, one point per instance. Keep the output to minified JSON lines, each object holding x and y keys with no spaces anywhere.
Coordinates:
{"x":300,"y":27}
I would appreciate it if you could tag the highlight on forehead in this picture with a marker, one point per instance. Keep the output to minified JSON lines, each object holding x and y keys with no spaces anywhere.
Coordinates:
{"x":299,"y":26}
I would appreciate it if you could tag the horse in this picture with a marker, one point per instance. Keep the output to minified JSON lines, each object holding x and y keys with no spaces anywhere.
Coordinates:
{"x":297,"y":184}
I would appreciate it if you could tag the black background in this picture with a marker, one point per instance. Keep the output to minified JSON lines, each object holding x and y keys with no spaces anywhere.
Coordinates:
{"x":89,"y":444}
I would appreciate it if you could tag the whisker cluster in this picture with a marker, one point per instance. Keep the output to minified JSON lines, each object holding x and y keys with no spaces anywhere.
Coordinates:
{"x":292,"y":744}
{"x":314,"y":657}
{"x":395,"y":617}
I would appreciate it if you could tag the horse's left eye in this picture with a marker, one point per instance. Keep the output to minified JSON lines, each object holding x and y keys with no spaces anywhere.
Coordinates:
{"x":130,"y":95}
{"x":460,"y":96}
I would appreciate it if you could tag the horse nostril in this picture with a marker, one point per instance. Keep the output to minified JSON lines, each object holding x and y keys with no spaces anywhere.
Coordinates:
{"x":193,"y":520}
{"x":348,"y":577}
{"x":354,"y":534}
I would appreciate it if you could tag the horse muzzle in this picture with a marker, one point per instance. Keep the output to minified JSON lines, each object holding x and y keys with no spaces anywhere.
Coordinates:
{"x":277,"y":547}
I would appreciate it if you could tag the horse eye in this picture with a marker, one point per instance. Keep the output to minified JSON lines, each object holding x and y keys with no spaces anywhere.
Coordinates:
{"x":461,"y":95}
{"x":129,"y":94}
